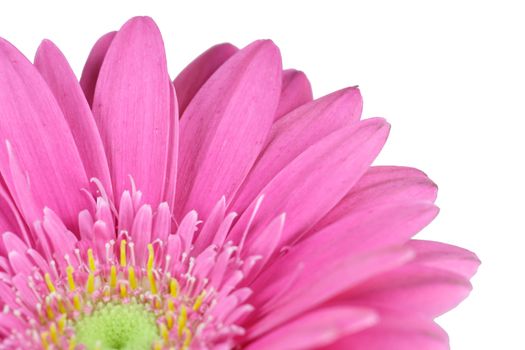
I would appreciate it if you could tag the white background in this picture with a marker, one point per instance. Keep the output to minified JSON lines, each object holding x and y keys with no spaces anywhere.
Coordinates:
{"x":448,"y":75}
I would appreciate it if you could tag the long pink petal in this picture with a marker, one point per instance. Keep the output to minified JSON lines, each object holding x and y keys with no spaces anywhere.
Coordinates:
{"x":223,"y":129}
{"x":294,"y":133}
{"x":446,"y":257}
{"x":322,"y":278}
{"x":132,"y":108}
{"x":296,"y":91}
{"x":413,"y":289}
{"x":315,"y":181}
{"x":191,"y":78}
{"x":170,"y":182}
{"x":316,"y":328}
{"x":396,"y":332}
{"x":31,"y":120}
{"x":382,"y":185}
{"x":60,"y":78}
{"x":88,"y":79}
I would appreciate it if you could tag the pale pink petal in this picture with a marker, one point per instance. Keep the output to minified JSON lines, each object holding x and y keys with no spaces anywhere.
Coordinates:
{"x":191,"y":78}
{"x":315,"y":181}
{"x":88,"y":79}
{"x":294,"y":133}
{"x":316,"y":328}
{"x":296,"y":91}
{"x":132,"y":109}
{"x":446,"y":257}
{"x":382,"y":185}
{"x":396,"y":332}
{"x":224,"y":127}
{"x":31,"y":120}
{"x":55,"y":69}
{"x":323,"y":276}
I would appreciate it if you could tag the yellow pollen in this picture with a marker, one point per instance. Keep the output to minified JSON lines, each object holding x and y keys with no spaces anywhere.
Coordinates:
{"x":187,"y":339}
{"x":61,"y":306}
{"x":199,"y":300}
{"x":123,"y":290}
{"x":113,"y":277}
{"x":169,"y":319}
{"x":183,"y":316}
{"x":152,"y":284}
{"x":72,"y":343}
{"x":157,"y":345}
{"x":49,"y":283}
{"x":151,"y":257}
{"x":49,"y":312}
{"x":123,"y":253}
{"x":53,"y":332}
{"x":70,"y":279}
{"x":171,"y":306}
{"x":132,"y":279}
{"x":76,"y":302}
{"x":90,"y":284}
{"x":91,"y":260}
{"x":61,"y":324}
{"x":174,"y":287}
{"x":164,"y":332}
{"x":43,"y":337}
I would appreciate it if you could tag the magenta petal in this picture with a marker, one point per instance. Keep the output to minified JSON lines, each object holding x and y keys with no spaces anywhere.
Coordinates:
{"x":383,"y":185}
{"x":31,"y":120}
{"x":224,"y":127}
{"x":191,"y":79}
{"x":315,"y":181}
{"x":88,"y":79}
{"x":294,"y":133}
{"x":54,"y":68}
{"x":413,"y":289}
{"x":396,"y":332}
{"x":132,"y":109}
{"x":170,"y":182}
{"x":446,"y":257}
{"x":316,"y":328}
{"x":321,"y":278}
{"x":296,"y":91}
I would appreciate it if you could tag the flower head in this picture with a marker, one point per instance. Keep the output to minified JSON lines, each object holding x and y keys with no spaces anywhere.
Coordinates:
{"x":223,"y":210}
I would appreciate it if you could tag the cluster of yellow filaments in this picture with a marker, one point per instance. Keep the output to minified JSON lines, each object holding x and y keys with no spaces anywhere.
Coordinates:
{"x":80,"y":307}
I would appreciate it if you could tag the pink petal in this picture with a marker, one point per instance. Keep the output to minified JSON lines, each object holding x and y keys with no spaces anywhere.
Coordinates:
{"x":395,"y":332}
{"x":170,"y":182}
{"x":296,"y":91}
{"x":315,"y":181}
{"x":413,"y":289}
{"x":224,"y":127}
{"x":132,"y":108}
{"x":193,"y":77}
{"x":294,"y":133}
{"x":316,"y":328}
{"x":323,"y":277}
{"x":381,"y":185}
{"x":446,"y":257}
{"x":88,"y":80}
{"x":55,"y":69}
{"x":32,"y":121}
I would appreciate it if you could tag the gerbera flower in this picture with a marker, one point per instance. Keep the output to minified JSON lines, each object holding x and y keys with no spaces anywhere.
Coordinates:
{"x":224,"y":210}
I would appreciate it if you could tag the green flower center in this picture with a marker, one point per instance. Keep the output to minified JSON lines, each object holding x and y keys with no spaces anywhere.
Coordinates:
{"x":114,"y":326}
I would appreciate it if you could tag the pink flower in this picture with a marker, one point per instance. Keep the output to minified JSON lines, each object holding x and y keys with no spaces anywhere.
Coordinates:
{"x":226,"y":210}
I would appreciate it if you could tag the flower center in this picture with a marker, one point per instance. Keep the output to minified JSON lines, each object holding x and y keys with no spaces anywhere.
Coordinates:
{"x":117,"y":326}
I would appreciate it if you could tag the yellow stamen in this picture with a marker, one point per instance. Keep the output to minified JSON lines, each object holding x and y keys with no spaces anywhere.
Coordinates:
{"x":132,"y":279}
{"x":174,"y":287}
{"x":171,"y":306}
{"x":164,"y":332}
{"x":49,"y":312}
{"x":61,"y":306}
{"x":91,"y":260}
{"x":199,"y":300}
{"x":187,"y":339}
{"x":90,"y":285}
{"x":72,"y":343}
{"x":53,"y":332}
{"x":70,"y":279}
{"x":123,"y":253}
{"x":183,"y":316}
{"x":49,"y":283}
{"x":113,"y":277}
{"x":43,"y":338}
{"x":157,"y":345}
{"x":123,"y":291}
{"x":76,"y":302}
{"x":151,"y":257}
{"x":61,"y":324}
{"x":169,"y":319}
{"x":152,"y":284}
